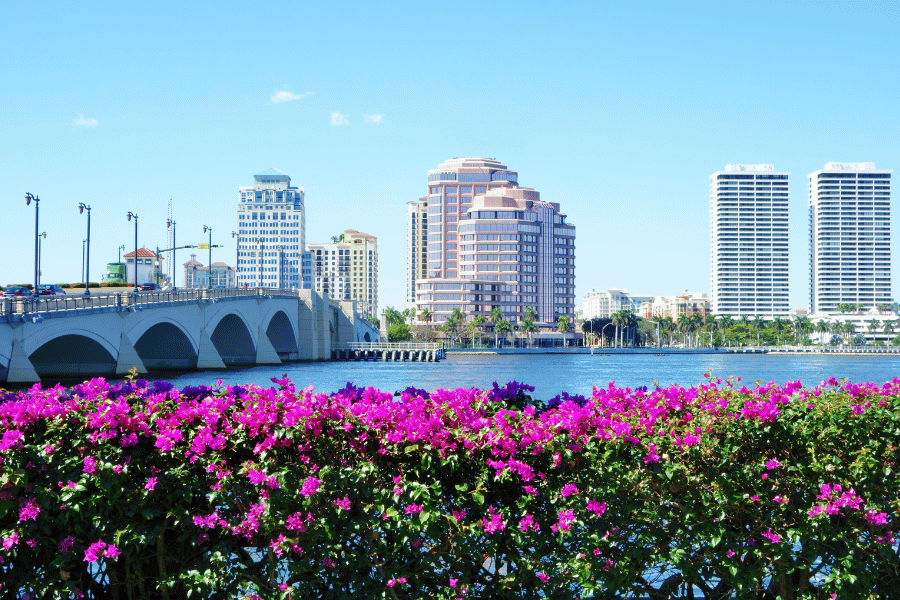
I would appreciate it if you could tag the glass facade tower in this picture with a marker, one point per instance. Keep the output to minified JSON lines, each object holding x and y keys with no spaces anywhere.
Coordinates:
{"x":849,"y":237}
{"x":749,"y":241}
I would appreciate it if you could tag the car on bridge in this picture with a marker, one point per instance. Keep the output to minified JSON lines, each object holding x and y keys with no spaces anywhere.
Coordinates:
{"x":149,"y":287}
{"x":50,"y":290}
{"x":14,"y":291}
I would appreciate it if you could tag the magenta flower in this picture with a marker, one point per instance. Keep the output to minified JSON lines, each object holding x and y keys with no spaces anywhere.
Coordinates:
{"x":772,"y":537}
{"x":310,"y":486}
{"x":28,"y":509}
{"x":453,"y":582}
{"x":151,"y":484}
{"x":772,"y":464}
{"x":66,"y":544}
{"x":90,"y":465}
{"x":10,"y":540}
{"x":876,"y":518}
{"x":543,"y":577}
{"x":493,"y":522}
{"x":730,"y":553}
{"x":255,"y":476}
{"x":459,"y":515}
{"x":412,"y":509}
{"x":597,"y":508}
{"x":344,"y":504}
{"x":569,"y":489}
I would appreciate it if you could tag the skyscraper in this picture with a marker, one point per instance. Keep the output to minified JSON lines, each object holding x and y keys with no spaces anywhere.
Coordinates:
{"x":749,"y":241}
{"x":849,"y":237}
{"x":270,"y":231}
{"x":348,"y":270}
{"x":492,"y":244}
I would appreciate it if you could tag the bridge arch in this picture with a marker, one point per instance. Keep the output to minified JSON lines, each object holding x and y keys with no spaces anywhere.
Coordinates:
{"x":73,"y":355}
{"x":233,"y":340}
{"x":165,"y":346}
{"x":280,"y":330}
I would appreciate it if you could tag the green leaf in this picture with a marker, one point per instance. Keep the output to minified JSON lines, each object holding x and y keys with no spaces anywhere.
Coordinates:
{"x":478,"y":497}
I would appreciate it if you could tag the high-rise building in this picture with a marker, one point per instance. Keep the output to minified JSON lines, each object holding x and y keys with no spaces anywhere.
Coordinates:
{"x":416,"y":245}
{"x":348,"y":270}
{"x":600,"y":305}
{"x":849,"y":237}
{"x":749,"y":241}
{"x":492,"y":245}
{"x":432,"y":220}
{"x":270,"y":232}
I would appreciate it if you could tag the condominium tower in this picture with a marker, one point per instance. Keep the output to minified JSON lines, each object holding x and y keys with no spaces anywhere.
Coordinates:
{"x":749,"y":241}
{"x":270,"y":232}
{"x":849,"y":236}
{"x":347,"y":269}
{"x":492,"y":244}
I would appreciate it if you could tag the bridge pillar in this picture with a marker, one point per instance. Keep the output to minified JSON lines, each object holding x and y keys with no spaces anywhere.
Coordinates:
{"x":265,"y":352}
{"x":207,"y":355}
{"x":20,"y":368}
{"x":128,"y":358}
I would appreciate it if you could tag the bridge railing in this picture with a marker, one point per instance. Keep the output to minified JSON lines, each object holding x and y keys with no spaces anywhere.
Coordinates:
{"x":50,"y":304}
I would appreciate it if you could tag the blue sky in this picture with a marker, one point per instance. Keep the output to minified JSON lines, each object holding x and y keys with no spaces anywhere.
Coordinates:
{"x":618,"y":111}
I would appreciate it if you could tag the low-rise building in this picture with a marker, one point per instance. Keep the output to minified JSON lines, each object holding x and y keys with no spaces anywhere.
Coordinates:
{"x":685,"y":303}
{"x":147,"y":269}
{"x":196,"y":275}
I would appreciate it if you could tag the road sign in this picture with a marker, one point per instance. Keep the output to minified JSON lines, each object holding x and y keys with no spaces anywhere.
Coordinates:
{"x":202,"y":246}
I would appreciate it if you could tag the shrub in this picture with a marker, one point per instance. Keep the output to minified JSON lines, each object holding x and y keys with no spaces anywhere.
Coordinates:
{"x":279,"y":492}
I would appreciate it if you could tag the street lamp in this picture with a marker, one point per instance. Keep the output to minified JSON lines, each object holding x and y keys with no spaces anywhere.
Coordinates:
{"x":131,"y":215}
{"x":209,"y":264}
{"x":237,"y":261}
{"x":87,"y":261}
{"x":83,"y":244}
{"x":259,"y":254}
{"x":122,"y":247}
{"x":603,"y":332}
{"x":171,"y":223}
{"x":41,"y":237}
{"x":37,"y":205}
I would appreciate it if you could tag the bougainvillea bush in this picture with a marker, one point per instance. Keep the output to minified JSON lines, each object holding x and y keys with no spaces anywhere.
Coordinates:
{"x":138,"y":490}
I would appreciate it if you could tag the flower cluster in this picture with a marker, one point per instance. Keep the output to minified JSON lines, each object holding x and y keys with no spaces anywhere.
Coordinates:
{"x":439,"y":494}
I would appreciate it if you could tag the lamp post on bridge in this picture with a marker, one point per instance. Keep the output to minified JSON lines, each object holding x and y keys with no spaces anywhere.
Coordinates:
{"x":209,"y":264}
{"x":171,"y":223}
{"x":87,"y":260}
{"x":41,"y":237}
{"x":131,"y":215}
{"x":237,"y":253}
{"x":37,"y":251}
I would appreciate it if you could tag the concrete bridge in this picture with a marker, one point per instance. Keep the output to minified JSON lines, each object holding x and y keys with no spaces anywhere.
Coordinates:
{"x":80,"y":337}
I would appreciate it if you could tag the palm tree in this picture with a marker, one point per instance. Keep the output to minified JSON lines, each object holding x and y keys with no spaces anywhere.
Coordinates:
{"x":528,"y":327}
{"x":779,"y":324}
{"x":531,"y":313}
{"x":392,"y":316}
{"x":619,"y":320}
{"x":477,"y":323}
{"x":874,"y":325}
{"x":684,"y":325}
{"x":502,"y":327}
{"x":426,"y":315}
{"x":667,"y":326}
{"x":495,"y":317}
{"x":454,"y":324}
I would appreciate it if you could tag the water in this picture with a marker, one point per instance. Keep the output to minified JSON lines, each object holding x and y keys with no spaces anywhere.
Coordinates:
{"x":552,"y":374}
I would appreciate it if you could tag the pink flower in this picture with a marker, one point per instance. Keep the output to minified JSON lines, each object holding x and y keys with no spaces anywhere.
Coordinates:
{"x":66,"y":545}
{"x":255,"y":476}
{"x":597,"y":508}
{"x":310,"y":486}
{"x":413,"y":509}
{"x":772,"y":537}
{"x":569,"y":489}
{"x":772,"y":464}
{"x":527,"y":523}
{"x":754,"y":498}
{"x":494,"y":521}
{"x":151,"y":484}
{"x":10,"y":540}
{"x":93,"y":552}
{"x":530,"y":490}
{"x":345,"y":503}
{"x":111,"y":551}
{"x":730,"y":553}
{"x":453,"y":582}
{"x":28,"y":509}
{"x":459,"y":515}
{"x":90,"y":465}
{"x":543,"y":577}
{"x":396,"y":581}
{"x":876,"y":518}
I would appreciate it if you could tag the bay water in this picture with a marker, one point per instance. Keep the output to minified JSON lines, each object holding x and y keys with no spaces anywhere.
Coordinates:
{"x":552,"y":374}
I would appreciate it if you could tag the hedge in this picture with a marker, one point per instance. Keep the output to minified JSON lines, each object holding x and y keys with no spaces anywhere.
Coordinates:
{"x":138,"y":490}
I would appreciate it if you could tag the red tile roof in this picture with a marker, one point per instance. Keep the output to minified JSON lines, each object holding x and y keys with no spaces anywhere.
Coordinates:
{"x":142,"y":253}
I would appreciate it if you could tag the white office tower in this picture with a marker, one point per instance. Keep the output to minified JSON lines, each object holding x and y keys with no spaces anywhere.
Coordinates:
{"x":749,"y":241}
{"x":850,"y":237}
{"x":270,"y":231}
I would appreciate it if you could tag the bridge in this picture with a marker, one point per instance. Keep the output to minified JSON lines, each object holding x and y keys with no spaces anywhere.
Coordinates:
{"x":73,"y":337}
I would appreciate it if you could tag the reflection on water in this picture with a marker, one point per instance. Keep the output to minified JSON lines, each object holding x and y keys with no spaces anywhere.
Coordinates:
{"x":552,"y":374}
